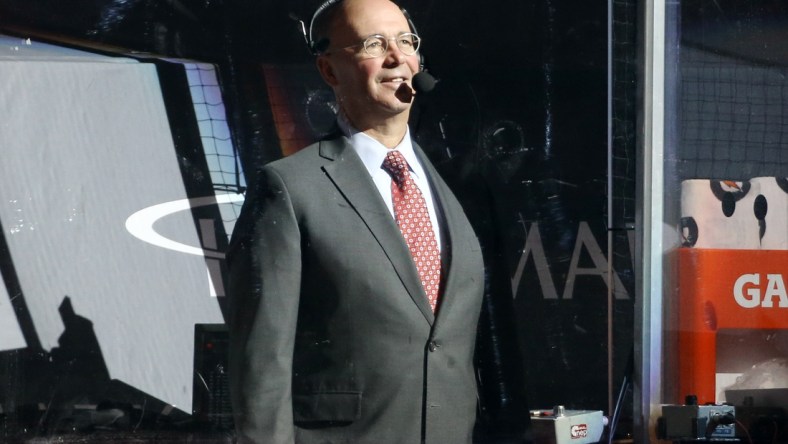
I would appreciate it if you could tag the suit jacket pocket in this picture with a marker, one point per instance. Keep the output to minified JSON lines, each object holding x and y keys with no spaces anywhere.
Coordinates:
{"x":327,"y":407}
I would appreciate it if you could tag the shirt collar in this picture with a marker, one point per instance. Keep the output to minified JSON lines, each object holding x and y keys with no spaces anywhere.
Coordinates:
{"x":372,"y":152}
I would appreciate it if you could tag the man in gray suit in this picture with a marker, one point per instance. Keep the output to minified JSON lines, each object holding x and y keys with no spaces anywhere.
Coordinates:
{"x":338,"y":335}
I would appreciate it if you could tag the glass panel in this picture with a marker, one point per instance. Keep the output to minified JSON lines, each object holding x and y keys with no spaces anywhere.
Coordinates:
{"x":726,"y":202}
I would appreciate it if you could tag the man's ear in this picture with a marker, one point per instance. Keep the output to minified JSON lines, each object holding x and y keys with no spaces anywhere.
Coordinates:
{"x":326,"y":70}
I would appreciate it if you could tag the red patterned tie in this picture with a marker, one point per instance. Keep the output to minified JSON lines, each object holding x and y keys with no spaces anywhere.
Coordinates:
{"x":410,"y":211}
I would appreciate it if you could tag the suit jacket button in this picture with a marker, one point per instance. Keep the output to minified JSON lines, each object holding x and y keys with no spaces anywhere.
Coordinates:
{"x":432,"y":346}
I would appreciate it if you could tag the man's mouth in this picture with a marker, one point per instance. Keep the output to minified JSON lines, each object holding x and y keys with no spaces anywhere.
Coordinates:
{"x":395,"y":80}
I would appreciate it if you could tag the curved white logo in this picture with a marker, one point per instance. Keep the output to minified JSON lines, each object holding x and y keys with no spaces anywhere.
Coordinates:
{"x":578,"y":431}
{"x":140,"y":224}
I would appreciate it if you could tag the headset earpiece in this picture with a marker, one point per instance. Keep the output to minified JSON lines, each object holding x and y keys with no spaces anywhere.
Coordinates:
{"x":321,"y":45}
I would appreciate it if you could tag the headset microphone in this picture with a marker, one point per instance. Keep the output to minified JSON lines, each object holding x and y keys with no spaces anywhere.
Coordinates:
{"x":424,"y":82}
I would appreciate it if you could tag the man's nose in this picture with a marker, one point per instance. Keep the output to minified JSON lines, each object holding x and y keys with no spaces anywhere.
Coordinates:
{"x":395,"y":55}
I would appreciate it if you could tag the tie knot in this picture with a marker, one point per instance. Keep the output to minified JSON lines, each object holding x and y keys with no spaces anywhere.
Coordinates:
{"x":396,"y":165}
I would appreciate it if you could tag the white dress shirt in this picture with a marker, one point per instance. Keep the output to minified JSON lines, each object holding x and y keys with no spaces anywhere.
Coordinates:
{"x":372,"y":154}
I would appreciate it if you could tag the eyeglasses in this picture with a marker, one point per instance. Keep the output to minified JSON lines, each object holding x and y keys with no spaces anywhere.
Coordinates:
{"x":377,"y":45}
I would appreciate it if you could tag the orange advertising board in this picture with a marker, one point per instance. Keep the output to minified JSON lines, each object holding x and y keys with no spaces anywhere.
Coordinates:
{"x":724,"y":289}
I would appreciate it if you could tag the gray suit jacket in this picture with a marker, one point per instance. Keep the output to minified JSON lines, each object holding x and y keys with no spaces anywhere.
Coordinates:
{"x":332,"y":337}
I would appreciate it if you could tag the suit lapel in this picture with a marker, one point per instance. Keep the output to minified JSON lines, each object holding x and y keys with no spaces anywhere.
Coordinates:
{"x":349,"y":175}
{"x":450,"y":211}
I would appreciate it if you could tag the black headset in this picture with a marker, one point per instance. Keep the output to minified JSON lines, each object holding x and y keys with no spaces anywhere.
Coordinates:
{"x":321,"y":45}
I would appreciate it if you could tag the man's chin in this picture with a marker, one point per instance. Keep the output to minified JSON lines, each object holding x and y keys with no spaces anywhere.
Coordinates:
{"x":395,"y":105}
{"x":398,"y":108}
